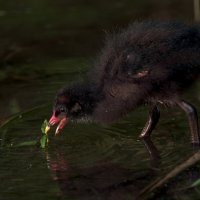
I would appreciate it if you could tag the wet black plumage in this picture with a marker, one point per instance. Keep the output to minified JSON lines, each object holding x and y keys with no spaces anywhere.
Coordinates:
{"x":147,"y":63}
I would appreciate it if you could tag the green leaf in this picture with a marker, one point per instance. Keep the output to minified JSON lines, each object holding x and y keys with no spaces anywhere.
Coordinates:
{"x":196,"y":183}
{"x":44,"y":141}
{"x":28,"y":143}
{"x":44,"y":125}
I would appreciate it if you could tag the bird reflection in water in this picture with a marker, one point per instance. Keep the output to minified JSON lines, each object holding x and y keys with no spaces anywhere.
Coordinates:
{"x":104,"y":179}
{"x":107,"y":180}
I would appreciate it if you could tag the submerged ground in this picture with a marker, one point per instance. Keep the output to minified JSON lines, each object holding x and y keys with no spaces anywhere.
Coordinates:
{"x":45,"y":45}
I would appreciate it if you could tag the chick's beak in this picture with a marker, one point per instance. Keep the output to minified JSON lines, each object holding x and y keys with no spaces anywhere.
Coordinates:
{"x":55,"y":120}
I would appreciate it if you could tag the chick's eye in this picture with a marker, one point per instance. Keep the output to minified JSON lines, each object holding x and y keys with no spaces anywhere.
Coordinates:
{"x":62,"y":110}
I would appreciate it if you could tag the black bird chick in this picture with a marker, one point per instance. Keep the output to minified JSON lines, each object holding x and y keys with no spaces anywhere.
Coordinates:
{"x":148,"y":63}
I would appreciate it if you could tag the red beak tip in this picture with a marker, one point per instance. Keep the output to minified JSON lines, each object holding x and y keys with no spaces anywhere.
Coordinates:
{"x":54,"y":120}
